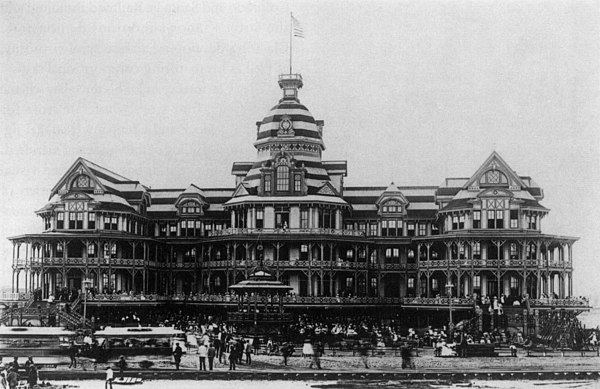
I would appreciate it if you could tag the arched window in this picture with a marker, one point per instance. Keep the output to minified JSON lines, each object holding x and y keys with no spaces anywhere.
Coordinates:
{"x":283,"y":179}
{"x":81,"y":181}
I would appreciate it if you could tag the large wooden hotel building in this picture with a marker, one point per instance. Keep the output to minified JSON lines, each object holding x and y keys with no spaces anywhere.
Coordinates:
{"x":392,"y":246}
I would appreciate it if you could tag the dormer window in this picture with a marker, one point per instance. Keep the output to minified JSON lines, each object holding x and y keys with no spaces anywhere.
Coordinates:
{"x":81,"y":182}
{"x":190,"y":207}
{"x":297,"y":183}
{"x":267,"y":183}
{"x":392,"y":206}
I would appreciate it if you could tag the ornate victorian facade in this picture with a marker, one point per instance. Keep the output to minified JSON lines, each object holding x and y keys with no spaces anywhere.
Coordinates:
{"x":334,"y":245}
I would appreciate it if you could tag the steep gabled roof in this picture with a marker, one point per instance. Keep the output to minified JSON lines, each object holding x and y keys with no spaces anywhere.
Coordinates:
{"x":496,"y":162}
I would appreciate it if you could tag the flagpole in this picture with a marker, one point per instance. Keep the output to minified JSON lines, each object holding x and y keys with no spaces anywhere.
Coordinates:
{"x":291,"y":26}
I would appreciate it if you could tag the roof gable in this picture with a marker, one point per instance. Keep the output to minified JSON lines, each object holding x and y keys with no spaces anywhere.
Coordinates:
{"x":495,"y":163}
{"x":79,"y":167}
{"x":327,"y":190}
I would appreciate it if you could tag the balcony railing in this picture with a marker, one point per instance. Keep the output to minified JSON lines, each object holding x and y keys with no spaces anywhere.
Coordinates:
{"x":444,"y":301}
{"x":571,"y":302}
{"x":73,"y":261}
{"x":8,"y":296}
{"x":234,"y":299}
{"x":455,"y":263}
{"x":286,"y":231}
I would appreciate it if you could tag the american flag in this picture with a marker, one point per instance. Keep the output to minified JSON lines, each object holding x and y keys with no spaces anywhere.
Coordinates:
{"x":297,"y":28}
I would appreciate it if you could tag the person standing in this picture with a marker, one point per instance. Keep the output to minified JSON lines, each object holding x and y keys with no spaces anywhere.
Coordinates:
{"x":286,"y":351}
{"x":177,"y":353}
{"x":211,"y":355}
{"x":122,"y":365}
{"x":32,"y":376}
{"x":109,"y":378}
{"x":73,"y":351}
{"x":248,"y":351}
{"x":256,"y":345}
{"x":316,"y":358}
{"x":232,"y":357}
{"x":12,"y":378}
{"x":28,"y":364}
{"x":364,"y":354}
{"x":218,"y":348}
{"x":202,"y":354}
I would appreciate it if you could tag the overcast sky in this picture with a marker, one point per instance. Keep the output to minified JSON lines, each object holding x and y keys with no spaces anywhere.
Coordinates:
{"x":168,"y":93}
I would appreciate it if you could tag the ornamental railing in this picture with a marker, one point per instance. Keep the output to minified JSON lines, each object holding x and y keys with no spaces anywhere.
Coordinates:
{"x":8,"y":296}
{"x":286,"y":231}
{"x":454,"y":263}
{"x":75,"y":261}
{"x":234,"y":299}
{"x":570,"y":302}
{"x":445,"y":301}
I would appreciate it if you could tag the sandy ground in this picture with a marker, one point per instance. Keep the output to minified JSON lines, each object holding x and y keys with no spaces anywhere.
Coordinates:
{"x":347,"y":362}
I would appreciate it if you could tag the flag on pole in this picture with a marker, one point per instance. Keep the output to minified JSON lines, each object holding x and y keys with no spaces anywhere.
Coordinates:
{"x":297,"y":28}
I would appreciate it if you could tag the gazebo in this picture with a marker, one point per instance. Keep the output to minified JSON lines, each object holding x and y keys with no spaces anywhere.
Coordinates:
{"x":260,"y":303}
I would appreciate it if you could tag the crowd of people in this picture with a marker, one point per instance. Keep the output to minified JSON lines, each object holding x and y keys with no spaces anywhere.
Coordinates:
{"x":12,"y":372}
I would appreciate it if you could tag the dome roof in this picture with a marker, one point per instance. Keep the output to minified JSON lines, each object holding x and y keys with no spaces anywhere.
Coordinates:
{"x":289,"y":119}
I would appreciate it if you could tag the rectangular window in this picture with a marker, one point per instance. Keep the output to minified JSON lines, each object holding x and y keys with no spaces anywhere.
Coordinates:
{"x":297,"y":183}
{"x":267,"y":181}
{"x":349,"y":283}
{"x":91,"y":250}
{"x":60,"y":220}
{"x":514,"y":218}
{"x":411,"y":283}
{"x":476,"y":250}
{"x":362,"y":227}
{"x":349,"y":254}
{"x":283,"y":179}
{"x":388,"y":253}
{"x":79,"y":222}
{"x":410,"y":227}
{"x":461,"y":222}
{"x":59,"y":250}
{"x":207,"y":228}
{"x":91,"y":221}
{"x":304,"y":218}
{"x":476,"y":219}
{"x":173,"y":229}
{"x":392,"y":228}
{"x":500,"y":219}
{"x":396,"y":253}
{"x":434,"y":284}
{"x":455,"y":222}
{"x":72,"y":220}
{"x":491,"y":216}
{"x":349,"y":226}
{"x":114,"y":223}
{"x":384,"y":228}
{"x":260,"y":218}
{"x":422,"y":229}
{"x":373,"y":229}
{"x":162,"y":229}
{"x":435,"y":230}
{"x":514,"y":253}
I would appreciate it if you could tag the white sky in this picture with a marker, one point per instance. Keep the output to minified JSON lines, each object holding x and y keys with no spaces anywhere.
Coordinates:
{"x":168,"y":93}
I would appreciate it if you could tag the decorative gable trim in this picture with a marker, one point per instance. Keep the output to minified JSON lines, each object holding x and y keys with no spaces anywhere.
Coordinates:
{"x":327,"y":190}
{"x":495,"y":162}
{"x":240,"y":191}
{"x":79,"y":167}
